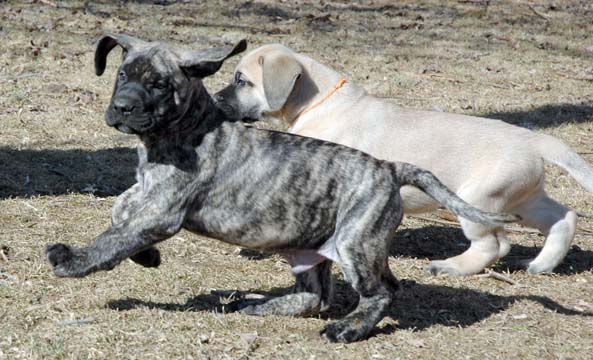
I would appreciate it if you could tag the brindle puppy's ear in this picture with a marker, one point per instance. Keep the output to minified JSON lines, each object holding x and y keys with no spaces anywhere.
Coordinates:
{"x":206,"y":62}
{"x":280,"y":73}
{"x":107,"y":43}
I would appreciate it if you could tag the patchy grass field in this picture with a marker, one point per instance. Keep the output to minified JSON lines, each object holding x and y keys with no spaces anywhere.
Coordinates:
{"x":61,"y":168}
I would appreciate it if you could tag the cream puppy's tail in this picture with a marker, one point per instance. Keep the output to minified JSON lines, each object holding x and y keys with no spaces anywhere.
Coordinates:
{"x":558,"y":153}
{"x":424,"y":180}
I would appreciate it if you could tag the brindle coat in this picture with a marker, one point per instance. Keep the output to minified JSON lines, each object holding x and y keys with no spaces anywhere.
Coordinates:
{"x":312,"y":201}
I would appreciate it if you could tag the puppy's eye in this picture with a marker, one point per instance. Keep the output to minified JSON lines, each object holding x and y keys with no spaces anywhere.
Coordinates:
{"x":238,"y":80}
{"x":122,"y":77}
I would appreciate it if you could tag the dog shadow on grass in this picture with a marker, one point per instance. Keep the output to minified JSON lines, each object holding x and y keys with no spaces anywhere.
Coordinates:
{"x":441,"y":242}
{"x":546,"y":116}
{"x":105,"y":172}
{"x":416,"y":306}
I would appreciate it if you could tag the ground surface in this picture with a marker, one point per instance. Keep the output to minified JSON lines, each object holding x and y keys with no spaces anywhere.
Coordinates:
{"x":61,"y":168}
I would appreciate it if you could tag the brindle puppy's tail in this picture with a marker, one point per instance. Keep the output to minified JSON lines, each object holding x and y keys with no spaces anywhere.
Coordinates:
{"x":428,"y":183}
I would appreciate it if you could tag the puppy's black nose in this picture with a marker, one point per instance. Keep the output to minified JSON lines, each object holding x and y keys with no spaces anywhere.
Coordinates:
{"x":123,"y":106}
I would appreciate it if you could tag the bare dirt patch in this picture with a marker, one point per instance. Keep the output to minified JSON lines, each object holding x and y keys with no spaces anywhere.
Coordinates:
{"x":61,"y":168}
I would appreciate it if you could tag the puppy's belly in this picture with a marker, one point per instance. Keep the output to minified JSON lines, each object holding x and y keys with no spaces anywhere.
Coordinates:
{"x":254,"y":236}
{"x":256,"y":231}
{"x":302,"y":260}
{"x":279,"y":238}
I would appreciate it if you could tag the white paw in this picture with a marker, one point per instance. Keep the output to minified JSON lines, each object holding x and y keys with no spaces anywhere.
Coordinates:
{"x":441,"y":267}
{"x":539,"y":268}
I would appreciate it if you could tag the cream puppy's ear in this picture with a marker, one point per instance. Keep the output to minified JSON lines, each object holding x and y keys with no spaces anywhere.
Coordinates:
{"x":280,"y":73}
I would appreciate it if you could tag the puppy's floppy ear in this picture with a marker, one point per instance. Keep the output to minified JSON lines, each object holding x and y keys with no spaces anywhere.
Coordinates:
{"x":107,"y":43}
{"x":206,"y":62}
{"x":280,"y":73}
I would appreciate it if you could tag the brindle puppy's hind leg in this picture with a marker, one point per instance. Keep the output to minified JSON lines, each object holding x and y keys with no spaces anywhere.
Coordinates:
{"x":121,"y":211}
{"x":312,"y":293}
{"x":376,"y":290}
{"x":362,"y":248}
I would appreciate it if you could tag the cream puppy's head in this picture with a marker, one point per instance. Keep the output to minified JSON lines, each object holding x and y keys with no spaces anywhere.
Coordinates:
{"x":264,"y":80}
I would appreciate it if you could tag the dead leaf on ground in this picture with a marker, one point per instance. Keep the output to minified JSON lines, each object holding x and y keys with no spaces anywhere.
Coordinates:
{"x":5,"y":253}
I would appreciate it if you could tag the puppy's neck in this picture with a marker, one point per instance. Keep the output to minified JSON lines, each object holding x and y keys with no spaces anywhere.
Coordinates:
{"x":198,"y":115}
{"x":310,"y":95}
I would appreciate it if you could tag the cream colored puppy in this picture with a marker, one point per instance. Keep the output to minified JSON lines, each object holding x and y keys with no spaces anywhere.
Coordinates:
{"x":493,"y":165}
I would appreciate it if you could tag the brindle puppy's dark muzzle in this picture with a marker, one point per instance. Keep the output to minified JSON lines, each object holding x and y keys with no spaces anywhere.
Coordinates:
{"x":226,"y":100}
{"x":130,"y":110}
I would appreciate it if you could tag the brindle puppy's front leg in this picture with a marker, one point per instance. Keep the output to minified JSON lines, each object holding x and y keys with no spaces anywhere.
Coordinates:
{"x":126,"y":204}
{"x":312,"y":292}
{"x":152,"y":222}
{"x":124,"y":207}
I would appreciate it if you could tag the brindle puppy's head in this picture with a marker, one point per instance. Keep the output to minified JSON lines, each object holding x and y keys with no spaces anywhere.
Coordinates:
{"x":156,"y":83}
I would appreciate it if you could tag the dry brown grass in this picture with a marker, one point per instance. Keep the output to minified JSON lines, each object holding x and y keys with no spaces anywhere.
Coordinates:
{"x":61,"y":167}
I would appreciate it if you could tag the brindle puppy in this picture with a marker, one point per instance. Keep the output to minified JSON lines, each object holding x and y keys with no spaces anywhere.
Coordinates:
{"x":312,"y":201}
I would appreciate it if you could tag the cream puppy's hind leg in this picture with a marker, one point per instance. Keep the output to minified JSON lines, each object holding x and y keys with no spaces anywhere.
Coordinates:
{"x":557,"y":223}
{"x":488,"y":242}
{"x":504,"y":245}
{"x":483,"y":251}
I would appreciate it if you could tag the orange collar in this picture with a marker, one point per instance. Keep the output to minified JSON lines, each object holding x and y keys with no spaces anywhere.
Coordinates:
{"x":327,"y":96}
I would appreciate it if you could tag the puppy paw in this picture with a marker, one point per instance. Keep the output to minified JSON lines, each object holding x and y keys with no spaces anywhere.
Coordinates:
{"x":148,"y":258}
{"x":441,"y":267}
{"x":246,"y":306}
{"x":344,"y":331}
{"x":537,"y":268}
{"x":63,"y":260}
{"x":58,"y":254}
